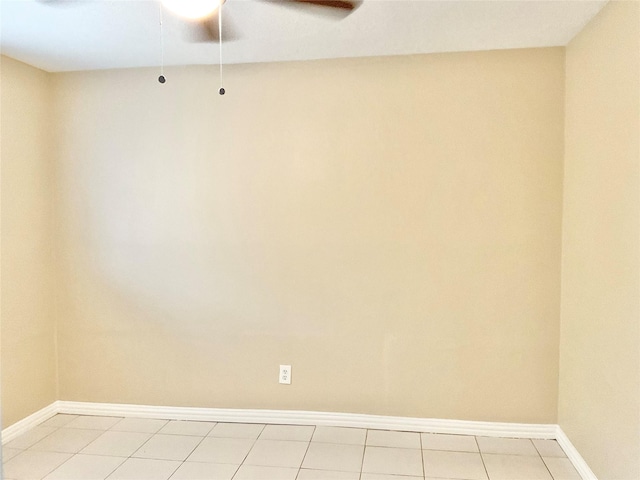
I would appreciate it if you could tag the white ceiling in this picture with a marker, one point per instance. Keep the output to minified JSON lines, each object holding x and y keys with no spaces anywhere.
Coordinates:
{"x":98,"y":34}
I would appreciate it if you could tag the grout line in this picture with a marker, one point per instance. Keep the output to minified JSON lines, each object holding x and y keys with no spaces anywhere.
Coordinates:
{"x":193,"y":449}
{"x":252,"y":445}
{"x":182,"y":462}
{"x":424,"y":474}
{"x":398,"y":448}
{"x":547,"y":467}
{"x":534,"y":446}
{"x":306,"y":451}
{"x":117,"y":467}
{"x":175,"y":470}
{"x":481,"y":457}
{"x":119,"y":421}
{"x":55,"y":468}
{"x":542,"y":458}
{"x":236,"y":470}
{"x":142,"y":445}
{"x":364,"y":452}
{"x":34,"y":443}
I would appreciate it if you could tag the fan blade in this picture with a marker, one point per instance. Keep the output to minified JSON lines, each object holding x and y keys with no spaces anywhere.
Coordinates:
{"x":343,"y":4}
{"x":206,"y":30}
{"x":339,"y":8}
{"x":59,"y":3}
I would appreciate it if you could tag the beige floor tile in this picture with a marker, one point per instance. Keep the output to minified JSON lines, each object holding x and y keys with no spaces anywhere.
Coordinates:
{"x":216,"y":451}
{"x":459,"y":465}
{"x":301,"y":433}
{"x":306,"y":474}
{"x":549,"y":448}
{"x":561,"y":468}
{"x":329,"y":456}
{"x":251,"y":472}
{"x":33,"y":464}
{"x":185,"y":427}
{"x":139,"y":425}
{"x":383,"y":476}
{"x":93,"y":422}
{"x":116,"y":444}
{"x":9,"y":453}
{"x":277,"y":453}
{"x":347,"y":436}
{"x":222,"y":450}
{"x":59,"y":420}
{"x":507,"y":446}
{"x":67,"y":440}
{"x":204,"y":471}
{"x":451,"y":443}
{"x":144,"y":469}
{"x":386,"y":438}
{"x":31,"y":437}
{"x":393,"y":461}
{"x":168,"y":447}
{"x":515,"y":467}
{"x":237,"y":430}
{"x":86,"y":467}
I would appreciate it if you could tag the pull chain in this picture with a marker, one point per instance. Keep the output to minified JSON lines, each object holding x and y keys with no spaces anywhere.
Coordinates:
{"x":221,"y":91}
{"x":161,"y":78}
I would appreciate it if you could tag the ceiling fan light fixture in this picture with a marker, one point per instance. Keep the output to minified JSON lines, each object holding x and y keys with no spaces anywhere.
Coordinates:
{"x":192,"y":9}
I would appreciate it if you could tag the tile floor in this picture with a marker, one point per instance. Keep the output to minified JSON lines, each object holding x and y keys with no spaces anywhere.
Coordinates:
{"x":88,"y":447}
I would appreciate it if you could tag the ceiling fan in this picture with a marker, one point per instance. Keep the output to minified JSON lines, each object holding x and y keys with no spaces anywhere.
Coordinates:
{"x":203,"y":14}
{"x":205,"y":17}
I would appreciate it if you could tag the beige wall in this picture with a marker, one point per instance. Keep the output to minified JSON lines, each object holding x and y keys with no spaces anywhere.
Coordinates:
{"x":390,"y":227}
{"x":28,"y":336}
{"x":599,"y":405}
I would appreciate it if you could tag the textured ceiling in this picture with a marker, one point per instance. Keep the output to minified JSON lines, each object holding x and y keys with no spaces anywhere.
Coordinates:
{"x":94,"y":34}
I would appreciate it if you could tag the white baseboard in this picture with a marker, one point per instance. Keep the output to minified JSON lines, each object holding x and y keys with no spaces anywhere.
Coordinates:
{"x":572,"y":453}
{"x":29,"y":422}
{"x":298,"y":417}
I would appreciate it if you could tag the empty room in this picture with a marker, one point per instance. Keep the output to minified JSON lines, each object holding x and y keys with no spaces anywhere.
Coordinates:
{"x":320,"y":239}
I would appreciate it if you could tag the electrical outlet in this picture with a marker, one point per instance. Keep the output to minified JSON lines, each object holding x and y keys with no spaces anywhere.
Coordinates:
{"x":285,"y":374}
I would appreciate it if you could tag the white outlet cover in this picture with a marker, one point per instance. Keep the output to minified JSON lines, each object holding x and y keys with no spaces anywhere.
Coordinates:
{"x":285,"y":374}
